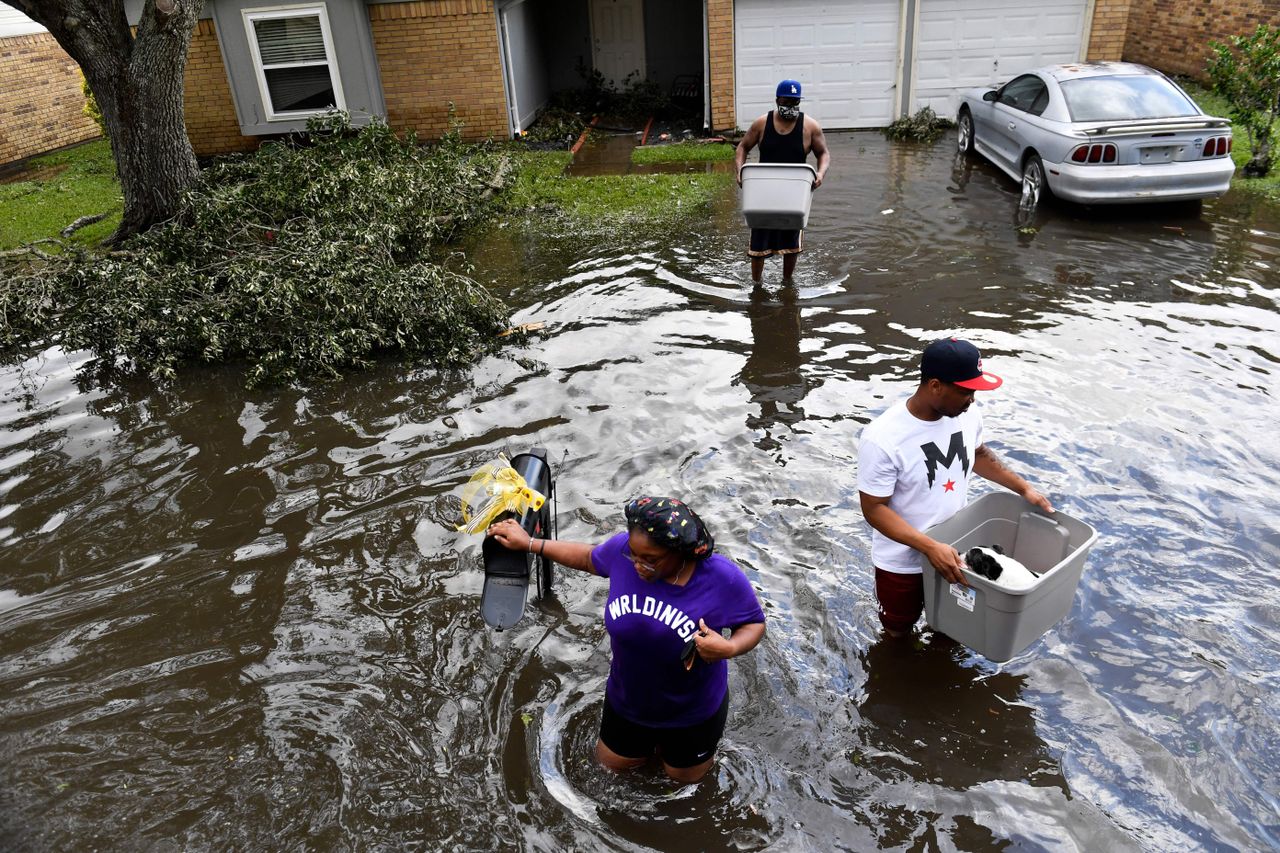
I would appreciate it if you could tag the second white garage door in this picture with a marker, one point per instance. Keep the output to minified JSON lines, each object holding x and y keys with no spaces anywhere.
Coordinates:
{"x":964,"y":43}
{"x":844,"y":52}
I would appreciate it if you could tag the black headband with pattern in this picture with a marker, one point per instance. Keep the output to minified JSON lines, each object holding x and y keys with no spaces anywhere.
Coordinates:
{"x":671,"y":524}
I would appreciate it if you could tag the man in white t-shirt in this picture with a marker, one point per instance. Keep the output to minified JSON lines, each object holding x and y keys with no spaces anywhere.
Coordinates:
{"x":914,"y":465}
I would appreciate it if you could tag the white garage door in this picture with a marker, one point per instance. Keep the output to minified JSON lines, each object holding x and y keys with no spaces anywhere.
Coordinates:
{"x":844,"y":53}
{"x":964,"y":43}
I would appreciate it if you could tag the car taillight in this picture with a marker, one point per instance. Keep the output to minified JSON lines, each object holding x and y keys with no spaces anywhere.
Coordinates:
{"x":1097,"y":153}
{"x":1216,"y":146}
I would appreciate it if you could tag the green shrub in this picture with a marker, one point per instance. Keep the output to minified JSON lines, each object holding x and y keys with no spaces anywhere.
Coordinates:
{"x":555,"y":128}
{"x":297,"y":260}
{"x":924,"y":126}
{"x":1247,"y":73}
{"x":90,"y":108}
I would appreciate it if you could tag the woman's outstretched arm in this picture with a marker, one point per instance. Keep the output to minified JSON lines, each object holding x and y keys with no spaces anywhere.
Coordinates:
{"x":574,"y":555}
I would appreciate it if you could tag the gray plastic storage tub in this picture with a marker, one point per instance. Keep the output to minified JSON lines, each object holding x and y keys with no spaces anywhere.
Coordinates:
{"x":777,"y":195}
{"x":995,"y":622}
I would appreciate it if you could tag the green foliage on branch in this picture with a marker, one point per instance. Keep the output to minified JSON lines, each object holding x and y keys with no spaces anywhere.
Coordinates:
{"x":299,"y":261}
{"x":924,"y":126}
{"x":1246,"y":71}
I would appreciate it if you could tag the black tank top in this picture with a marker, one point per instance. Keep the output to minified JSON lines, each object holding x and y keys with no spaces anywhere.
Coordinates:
{"x":776,"y":148}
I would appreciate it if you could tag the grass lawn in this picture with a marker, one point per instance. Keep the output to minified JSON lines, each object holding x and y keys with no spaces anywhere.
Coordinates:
{"x":683,"y":152}
{"x":66,"y":185}
{"x":1241,"y":150}
{"x":619,"y":199}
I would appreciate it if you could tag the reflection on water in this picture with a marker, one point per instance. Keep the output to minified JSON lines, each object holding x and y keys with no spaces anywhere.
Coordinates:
{"x":242,"y":620}
{"x":773,"y":369}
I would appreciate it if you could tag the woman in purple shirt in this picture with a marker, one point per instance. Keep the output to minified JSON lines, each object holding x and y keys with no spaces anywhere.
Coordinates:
{"x":670,"y":595}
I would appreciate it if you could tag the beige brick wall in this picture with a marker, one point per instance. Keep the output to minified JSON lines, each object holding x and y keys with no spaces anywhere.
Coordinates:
{"x":720,"y":36}
{"x":40,"y":98}
{"x":210,"y":113}
{"x":1110,"y":25}
{"x":1174,"y":36}
{"x":432,"y":52}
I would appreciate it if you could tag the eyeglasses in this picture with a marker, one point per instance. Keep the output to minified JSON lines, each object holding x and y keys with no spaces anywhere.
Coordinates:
{"x":788,"y":102}
{"x":637,"y":562}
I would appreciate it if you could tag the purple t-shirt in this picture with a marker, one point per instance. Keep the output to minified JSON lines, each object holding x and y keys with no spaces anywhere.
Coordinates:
{"x":648,"y":625}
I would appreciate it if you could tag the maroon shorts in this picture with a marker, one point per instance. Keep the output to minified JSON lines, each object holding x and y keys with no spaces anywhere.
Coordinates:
{"x":901,"y":599}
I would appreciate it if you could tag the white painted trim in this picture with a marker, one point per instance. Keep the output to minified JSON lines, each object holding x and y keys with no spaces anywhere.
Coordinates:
{"x":508,"y":74}
{"x":905,"y":99}
{"x":1086,"y":29}
{"x":14,"y":23}
{"x":248,"y":16}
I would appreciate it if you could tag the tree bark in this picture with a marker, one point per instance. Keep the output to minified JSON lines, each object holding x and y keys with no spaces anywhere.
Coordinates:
{"x":137,"y":80}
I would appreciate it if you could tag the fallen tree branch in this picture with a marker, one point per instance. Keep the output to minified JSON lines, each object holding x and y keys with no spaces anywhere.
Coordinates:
{"x":82,"y":222}
{"x":30,"y":249}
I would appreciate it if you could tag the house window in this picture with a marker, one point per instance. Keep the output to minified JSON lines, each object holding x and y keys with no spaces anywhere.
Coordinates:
{"x":294,"y":59}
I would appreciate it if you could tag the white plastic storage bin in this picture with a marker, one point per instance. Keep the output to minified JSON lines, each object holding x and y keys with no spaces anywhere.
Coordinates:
{"x":995,"y":622}
{"x":777,"y":195}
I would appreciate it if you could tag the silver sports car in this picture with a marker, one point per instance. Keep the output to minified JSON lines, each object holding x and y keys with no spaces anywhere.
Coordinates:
{"x":1098,"y":133}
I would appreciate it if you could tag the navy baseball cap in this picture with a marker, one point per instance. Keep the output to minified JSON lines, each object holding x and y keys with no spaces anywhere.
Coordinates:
{"x":958,"y":362}
{"x":788,"y":89}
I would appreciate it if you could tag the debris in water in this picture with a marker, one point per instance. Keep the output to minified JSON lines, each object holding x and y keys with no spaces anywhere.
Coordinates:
{"x":523,"y":327}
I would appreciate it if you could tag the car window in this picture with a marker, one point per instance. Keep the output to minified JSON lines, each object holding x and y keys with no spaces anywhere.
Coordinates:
{"x":1022,"y":93}
{"x":1041,"y":101}
{"x":1129,"y":97}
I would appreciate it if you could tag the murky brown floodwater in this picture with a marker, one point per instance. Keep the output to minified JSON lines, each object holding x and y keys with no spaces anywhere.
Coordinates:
{"x":241,"y":620}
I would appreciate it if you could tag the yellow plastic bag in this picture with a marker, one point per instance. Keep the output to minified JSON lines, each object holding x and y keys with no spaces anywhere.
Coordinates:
{"x":494,"y":489}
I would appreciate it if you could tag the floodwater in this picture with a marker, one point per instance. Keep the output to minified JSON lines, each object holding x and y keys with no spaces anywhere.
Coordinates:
{"x":241,"y":620}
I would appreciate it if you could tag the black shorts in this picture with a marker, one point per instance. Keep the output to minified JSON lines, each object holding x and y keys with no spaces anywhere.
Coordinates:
{"x":772,"y":241}
{"x":683,"y":746}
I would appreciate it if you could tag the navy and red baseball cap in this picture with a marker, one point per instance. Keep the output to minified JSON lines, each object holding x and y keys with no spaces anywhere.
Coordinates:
{"x":958,"y":362}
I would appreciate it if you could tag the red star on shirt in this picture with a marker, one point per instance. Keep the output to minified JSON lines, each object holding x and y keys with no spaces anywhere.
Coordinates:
{"x":949,"y":486}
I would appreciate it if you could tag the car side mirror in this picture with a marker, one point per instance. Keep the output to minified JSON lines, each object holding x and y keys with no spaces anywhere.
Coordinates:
{"x":990,"y":96}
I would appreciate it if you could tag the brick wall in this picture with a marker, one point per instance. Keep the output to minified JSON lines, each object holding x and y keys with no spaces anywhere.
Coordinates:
{"x":1108,"y":31}
{"x":40,"y":98}
{"x":1174,"y":36}
{"x":210,"y":113}
{"x":720,"y":35}
{"x":432,"y":52}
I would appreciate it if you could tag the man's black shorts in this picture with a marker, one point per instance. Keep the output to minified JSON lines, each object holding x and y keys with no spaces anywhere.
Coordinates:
{"x":772,"y":241}
{"x":685,"y":746}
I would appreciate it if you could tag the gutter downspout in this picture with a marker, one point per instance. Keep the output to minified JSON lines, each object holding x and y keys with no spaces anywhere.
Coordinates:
{"x":910,"y":32}
{"x":706,"y":68}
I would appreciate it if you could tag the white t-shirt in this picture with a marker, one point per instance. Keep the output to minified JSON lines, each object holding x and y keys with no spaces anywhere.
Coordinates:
{"x":923,"y":467}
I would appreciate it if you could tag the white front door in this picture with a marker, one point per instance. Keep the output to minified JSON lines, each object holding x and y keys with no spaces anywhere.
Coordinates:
{"x":617,"y":40}
{"x":843,"y":52}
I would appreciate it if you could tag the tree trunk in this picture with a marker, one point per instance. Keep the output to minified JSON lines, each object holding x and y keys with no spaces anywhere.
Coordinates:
{"x":1259,"y":165}
{"x":137,"y":80}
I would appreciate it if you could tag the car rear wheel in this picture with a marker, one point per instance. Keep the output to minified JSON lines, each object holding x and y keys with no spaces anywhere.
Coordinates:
{"x":1035,"y":188}
{"x":964,"y":132}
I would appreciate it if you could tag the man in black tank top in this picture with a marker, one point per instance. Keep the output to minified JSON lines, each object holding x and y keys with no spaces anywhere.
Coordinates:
{"x":785,"y":135}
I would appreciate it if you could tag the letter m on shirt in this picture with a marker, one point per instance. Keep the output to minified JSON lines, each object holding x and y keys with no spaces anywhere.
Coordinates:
{"x":933,"y":456}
